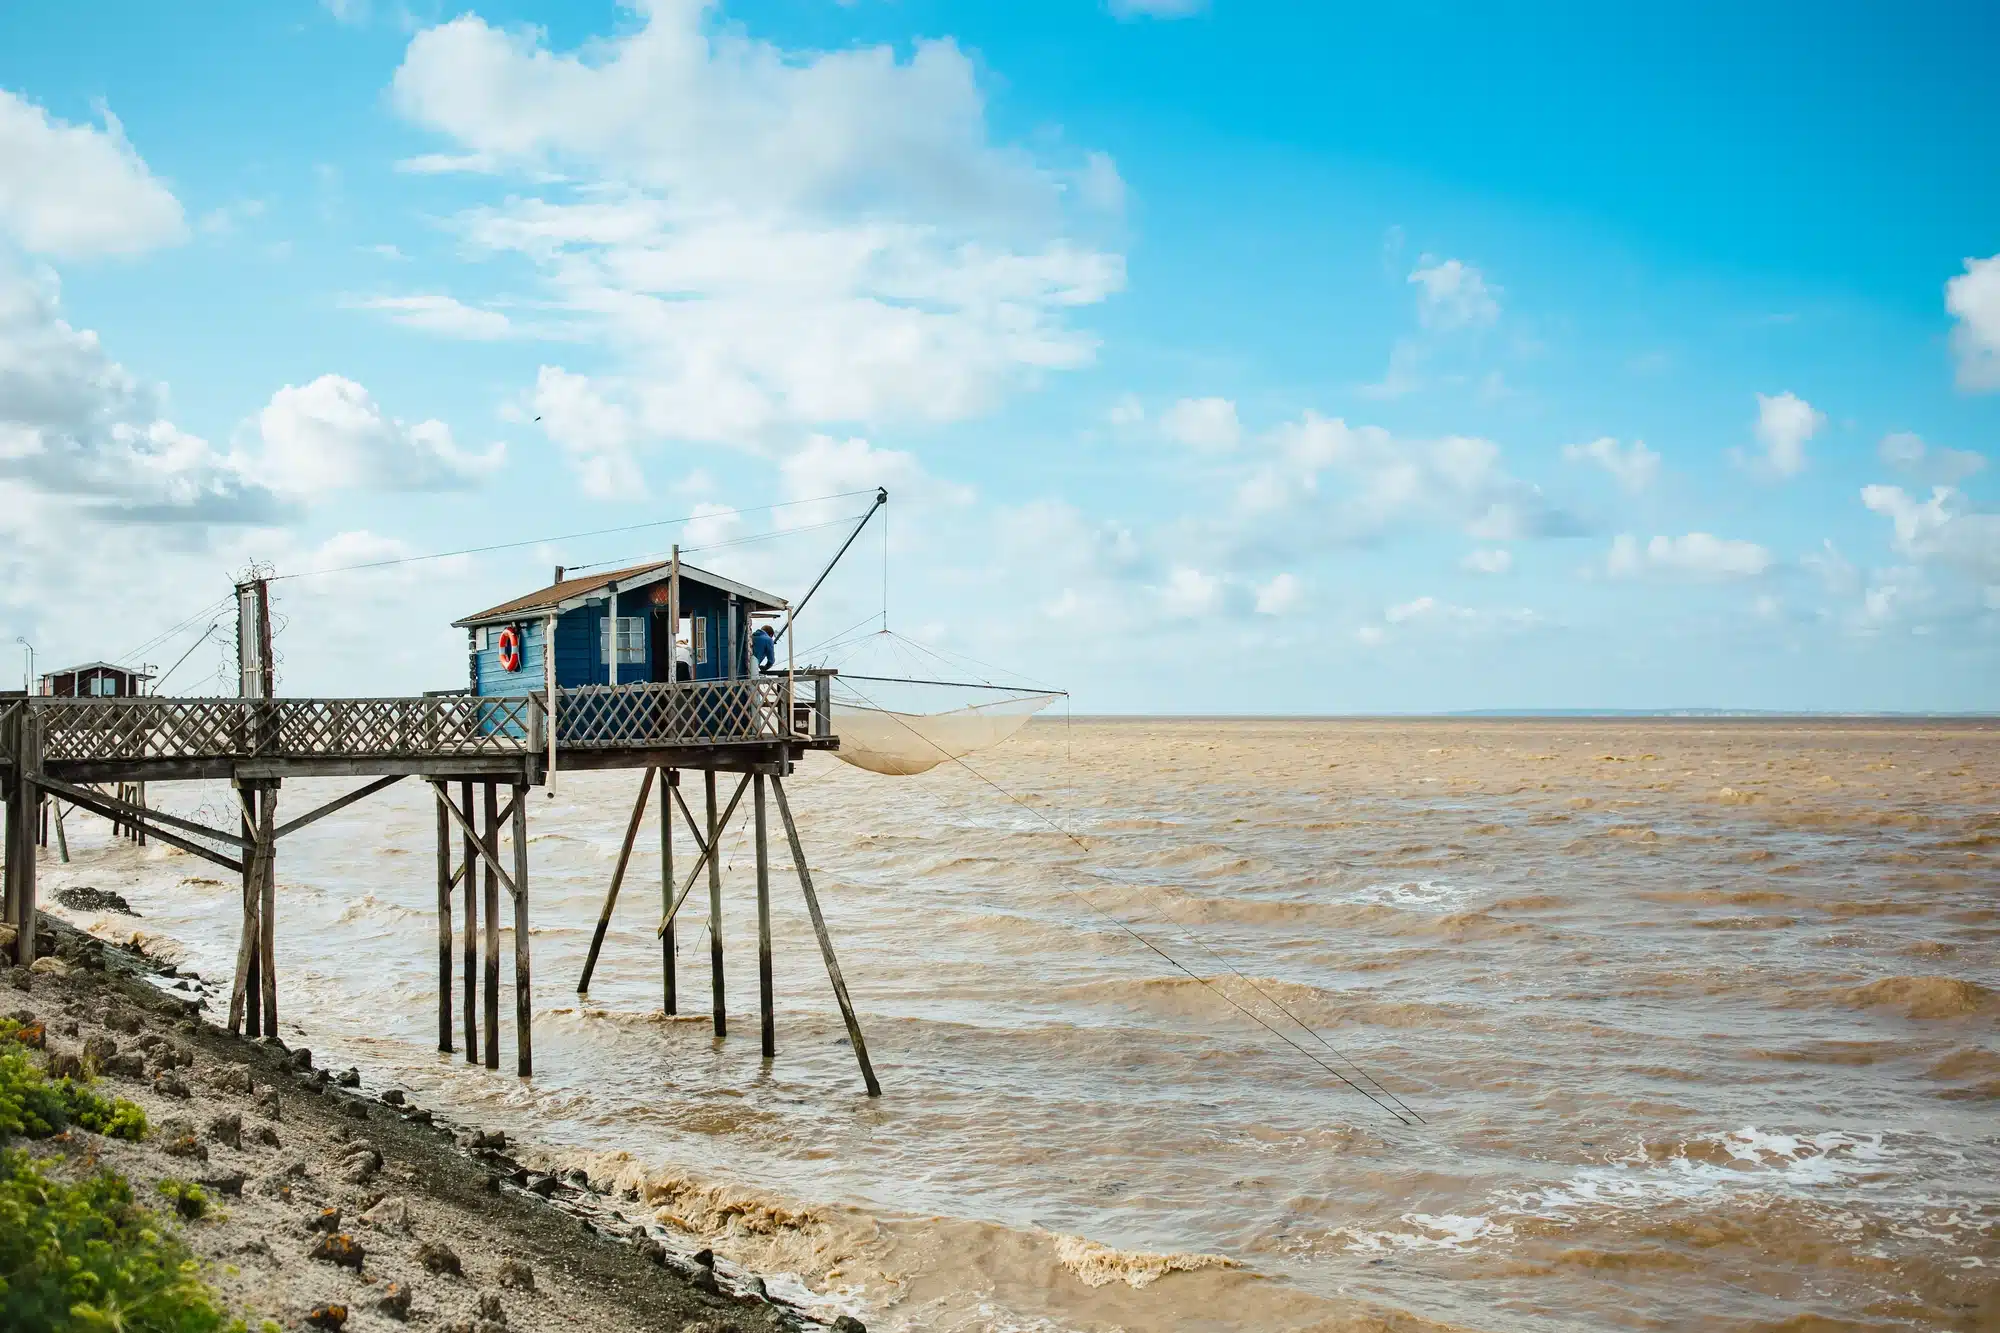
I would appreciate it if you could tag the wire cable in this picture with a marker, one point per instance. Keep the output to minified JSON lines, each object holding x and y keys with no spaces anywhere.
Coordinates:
{"x":1394,"y":1106}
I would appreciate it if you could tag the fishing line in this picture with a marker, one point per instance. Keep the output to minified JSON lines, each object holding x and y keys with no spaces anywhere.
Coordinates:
{"x":167,"y":634}
{"x":159,"y":684}
{"x":1399,"y":1111}
{"x":717,"y":545}
{"x":566,"y":537}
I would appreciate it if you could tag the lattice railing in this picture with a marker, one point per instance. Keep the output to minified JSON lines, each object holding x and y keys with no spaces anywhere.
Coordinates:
{"x":696,"y":712}
{"x":138,"y":729}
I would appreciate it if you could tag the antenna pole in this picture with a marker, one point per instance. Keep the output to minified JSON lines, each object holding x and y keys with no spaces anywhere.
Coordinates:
{"x":881,"y":499}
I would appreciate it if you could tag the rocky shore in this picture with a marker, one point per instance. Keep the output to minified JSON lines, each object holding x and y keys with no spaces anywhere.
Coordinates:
{"x":322,"y":1205}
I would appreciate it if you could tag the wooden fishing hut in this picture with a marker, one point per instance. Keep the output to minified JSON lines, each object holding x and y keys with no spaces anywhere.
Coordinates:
{"x":606,"y":697}
{"x":95,"y":680}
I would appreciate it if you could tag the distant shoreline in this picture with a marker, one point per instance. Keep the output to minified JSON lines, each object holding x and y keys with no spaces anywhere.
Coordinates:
{"x":1540,"y":715}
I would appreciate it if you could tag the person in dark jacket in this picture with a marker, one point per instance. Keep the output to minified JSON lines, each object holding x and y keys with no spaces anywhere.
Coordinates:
{"x":764,"y":647}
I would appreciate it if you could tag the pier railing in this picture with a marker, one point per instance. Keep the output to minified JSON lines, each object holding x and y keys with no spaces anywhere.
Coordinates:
{"x":707,"y":713}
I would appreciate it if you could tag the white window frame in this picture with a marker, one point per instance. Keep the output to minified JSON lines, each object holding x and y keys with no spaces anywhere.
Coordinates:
{"x":700,"y":640}
{"x":631,"y":640}
{"x":103,"y":687}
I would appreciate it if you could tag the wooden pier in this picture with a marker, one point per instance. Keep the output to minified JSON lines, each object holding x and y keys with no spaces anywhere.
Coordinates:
{"x":474,"y":750}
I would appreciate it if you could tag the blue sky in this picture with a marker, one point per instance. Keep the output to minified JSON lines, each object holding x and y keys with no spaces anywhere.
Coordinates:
{"x":1219,"y":357}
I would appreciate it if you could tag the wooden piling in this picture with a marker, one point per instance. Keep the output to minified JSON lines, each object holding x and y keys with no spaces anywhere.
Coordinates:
{"x":715,"y":904}
{"x":524,"y":1044}
{"x":617,"y":880}
{"x":470,"y":856}
{"x":825,"y":940}
{"x":267,"y":911}
{"x":768,"y":1021}
{"x":492,"y":925}
{"x":443,"y":919}
{"x":246,"y":993}
{"x":670,"y":780}
{"x":22,"y":801}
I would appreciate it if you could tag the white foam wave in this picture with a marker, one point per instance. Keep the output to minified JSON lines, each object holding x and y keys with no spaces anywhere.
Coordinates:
{"x":1425,"y":895}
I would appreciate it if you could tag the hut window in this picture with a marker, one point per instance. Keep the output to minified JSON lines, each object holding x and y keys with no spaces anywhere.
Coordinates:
{"x":631,"y":639}
{"x":103,"y":686}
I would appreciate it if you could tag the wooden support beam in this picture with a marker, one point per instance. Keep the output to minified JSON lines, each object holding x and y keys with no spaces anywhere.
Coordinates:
{"x":475,"y":844}
{"x":825,"y":940}
{"x":524,"y":1044}
{"x":444,"y":887}
{"x":95,"y":804}
{"x":707,"y":853}
{"x":617,"y":879}
{"x":768,"y":1023}
{"x":341,"y":803}
{"x":670,"y":781}
{"x":118,"y":811}
{"x":23,"y":803}
{"x":715,"y":905}
{"x":490,"y":845}
{"x":267,"y":912}
{"x":470,"y":853}
{"x":246,"y":990}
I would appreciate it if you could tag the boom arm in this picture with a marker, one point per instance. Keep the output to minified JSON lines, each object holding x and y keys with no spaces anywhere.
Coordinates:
{"x":881,"y":498}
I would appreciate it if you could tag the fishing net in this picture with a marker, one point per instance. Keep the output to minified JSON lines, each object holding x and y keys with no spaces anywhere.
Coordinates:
{"x":882,"y":740}
{"x":893,"y":715}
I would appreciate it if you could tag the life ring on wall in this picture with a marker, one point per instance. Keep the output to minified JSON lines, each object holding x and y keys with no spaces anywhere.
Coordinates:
{"x":510,"y":649}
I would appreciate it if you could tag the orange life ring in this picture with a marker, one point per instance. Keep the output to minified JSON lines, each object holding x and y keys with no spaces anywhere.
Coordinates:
{"x":510,"y":649}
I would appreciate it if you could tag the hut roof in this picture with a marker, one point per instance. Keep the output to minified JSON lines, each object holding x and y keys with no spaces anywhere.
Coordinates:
{"x":133,"y":672}
{"x":559,"y":597}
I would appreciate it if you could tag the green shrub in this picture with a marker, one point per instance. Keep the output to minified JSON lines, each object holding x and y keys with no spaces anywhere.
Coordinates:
{"x":29,"y":1103}
{"x":190,"y":1201}
{"x":114,"y":1117}
{"x":86,"y":1257}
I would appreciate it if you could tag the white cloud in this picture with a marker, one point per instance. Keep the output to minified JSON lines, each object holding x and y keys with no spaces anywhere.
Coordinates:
{"x":1157,"y":9}
{"x":1907,"y":452}
{"x":1941,"y":528}
{"x":1411,"y":610}
{"x":436,"y":313}
{"x":1372,"y":636}
{"x":73,"y":422}
{"x":1281,"y":594}
{"x":596,"y":434}
{"x":769,"y":239}
{"x":1190,"y":592}
{"x":331,"y":435}
{"x":1973,"y":299}
{"x":1453,"y":295}
{"x":75,"y":190}
{"x":1698,"y":555}
{"x":1127,"y":413}
{"x":1496,"y":560}
{"x":1202,"y":423}
{"x":1784,"y":423}
{"x":1634,"y":467}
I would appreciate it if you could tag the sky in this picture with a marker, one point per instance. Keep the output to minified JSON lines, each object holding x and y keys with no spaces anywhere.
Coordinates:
{"x":1218,"y":357}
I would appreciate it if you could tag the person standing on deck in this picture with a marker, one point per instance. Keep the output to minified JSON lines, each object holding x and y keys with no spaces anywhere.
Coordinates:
{"x":683,"y":659}
{"x":764,"y":647}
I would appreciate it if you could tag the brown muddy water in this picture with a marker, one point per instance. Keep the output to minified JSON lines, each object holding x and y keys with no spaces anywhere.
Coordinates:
{"x":1701,"y":1016}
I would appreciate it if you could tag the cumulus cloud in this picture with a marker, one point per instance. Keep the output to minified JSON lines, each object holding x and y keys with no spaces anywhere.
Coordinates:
{"x":1190,"y":592}
{"x":1907,"y":452}
{"x":1496,"y":560}
{"x":1943,"y":528}
{"x":1452,"y":294}
{"x":1202,"y":423}
{"x":1973,"y":300}
{"x":71,"y":191}
{"x":769,"y":238}
{"x":1698,"y":555}
{"x":1634,"y":466}
{"x":331,"y":435}
{"x":1784,"y":423}
{"x":74,"y":422}
{"x":440,"y":314}
{"x":1281,"y":594}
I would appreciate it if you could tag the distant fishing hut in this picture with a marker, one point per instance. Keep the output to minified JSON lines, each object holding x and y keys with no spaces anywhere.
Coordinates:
{"x":94,"y":680}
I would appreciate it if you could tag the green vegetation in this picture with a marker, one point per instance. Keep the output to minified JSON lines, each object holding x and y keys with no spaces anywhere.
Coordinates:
{"x":86,"y":1256}
{"x":188,"y":1200}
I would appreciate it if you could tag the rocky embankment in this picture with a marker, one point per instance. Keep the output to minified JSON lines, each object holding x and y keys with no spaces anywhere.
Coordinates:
{"x":323,"y":1206}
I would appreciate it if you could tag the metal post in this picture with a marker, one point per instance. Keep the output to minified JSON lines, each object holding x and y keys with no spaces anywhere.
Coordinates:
{"x":443,"y":919}
{"x":715,"y":903}
{"x":669,"y":780}
{"x":524,"y":1043}
{"x":549,"y":685}
{"x":764,"y":989}
{"x":469,"y":857}
{"x":492,"y":924}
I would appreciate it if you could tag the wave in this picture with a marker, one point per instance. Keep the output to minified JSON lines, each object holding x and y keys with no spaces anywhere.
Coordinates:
{"x":1098,"y":1265}
{"x":1923,"y":997}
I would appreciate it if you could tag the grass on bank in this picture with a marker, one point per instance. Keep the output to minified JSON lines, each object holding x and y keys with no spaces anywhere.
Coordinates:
{"x":83,"y":1255}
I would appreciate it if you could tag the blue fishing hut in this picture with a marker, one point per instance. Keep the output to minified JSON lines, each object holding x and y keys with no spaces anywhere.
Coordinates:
{"x":626,"y":614}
